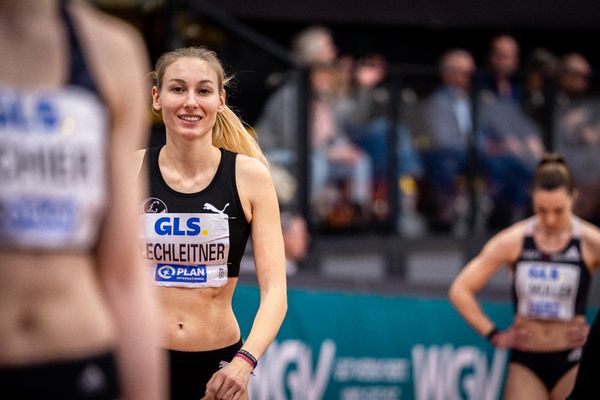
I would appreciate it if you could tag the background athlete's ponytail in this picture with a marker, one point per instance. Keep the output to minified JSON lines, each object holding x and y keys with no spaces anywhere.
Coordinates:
{"x":229,"y":131}
{"x":552,"y":172}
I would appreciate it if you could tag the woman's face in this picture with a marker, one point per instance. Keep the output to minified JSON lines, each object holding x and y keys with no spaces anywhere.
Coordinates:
{"x":553,"y":208}
{"x":189,"y":98}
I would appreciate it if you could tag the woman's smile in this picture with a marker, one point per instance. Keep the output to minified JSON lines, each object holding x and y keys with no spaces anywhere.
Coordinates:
{"x":191,"y":118}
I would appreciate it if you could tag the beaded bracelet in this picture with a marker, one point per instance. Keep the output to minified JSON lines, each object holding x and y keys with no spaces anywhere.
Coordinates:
{"x":246,"y":356}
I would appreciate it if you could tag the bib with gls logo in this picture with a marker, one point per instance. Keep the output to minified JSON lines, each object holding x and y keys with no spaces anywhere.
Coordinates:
{"x":546,"y":290}
{"x":187,"y":249}
{"x":550,"y":285}
{"x":52,"y":168}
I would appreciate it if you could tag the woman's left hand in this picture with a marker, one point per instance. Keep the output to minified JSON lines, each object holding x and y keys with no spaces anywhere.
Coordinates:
{"x":230,"y":382}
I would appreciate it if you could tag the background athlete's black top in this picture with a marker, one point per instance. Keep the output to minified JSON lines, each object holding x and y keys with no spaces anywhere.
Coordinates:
{"x":529,"y":247}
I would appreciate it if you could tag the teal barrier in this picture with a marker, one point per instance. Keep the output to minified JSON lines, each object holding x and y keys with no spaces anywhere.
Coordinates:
{"x":356,"y":347}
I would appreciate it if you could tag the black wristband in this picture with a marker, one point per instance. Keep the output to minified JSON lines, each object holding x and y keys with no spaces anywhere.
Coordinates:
{"x":492,"y":333}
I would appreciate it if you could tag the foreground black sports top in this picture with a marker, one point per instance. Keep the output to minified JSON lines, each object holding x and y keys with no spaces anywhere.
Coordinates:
{"x":194,"y":239}
{"x":53,"y":160}
{"x":551,"y":285}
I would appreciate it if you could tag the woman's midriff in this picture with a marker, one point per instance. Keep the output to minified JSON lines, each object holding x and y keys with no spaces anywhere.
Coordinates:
{"x":51,"y":308}
{"x":198,"y":319}
{"x":543,"y":335}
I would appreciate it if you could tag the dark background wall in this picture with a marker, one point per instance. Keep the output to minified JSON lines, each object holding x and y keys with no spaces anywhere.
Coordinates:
{"x":414,"y":32}
{"x":432,"y":13}
{"x":405,"y":32}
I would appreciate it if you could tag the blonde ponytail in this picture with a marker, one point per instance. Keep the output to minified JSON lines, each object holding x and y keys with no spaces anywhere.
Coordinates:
{"x":230,"y":133}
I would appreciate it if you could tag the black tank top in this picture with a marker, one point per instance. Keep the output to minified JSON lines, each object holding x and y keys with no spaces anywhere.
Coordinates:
{"x":551,"y":286}
{"x":194,"y":239}
{"x":53,"y":149}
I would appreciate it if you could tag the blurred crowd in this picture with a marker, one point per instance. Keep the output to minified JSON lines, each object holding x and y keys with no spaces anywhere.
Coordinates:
{"x":465,"y":148}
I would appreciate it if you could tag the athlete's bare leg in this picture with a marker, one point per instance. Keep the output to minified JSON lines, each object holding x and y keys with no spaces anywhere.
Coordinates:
{"x":565,"y":385}
{"x":522,"y":383}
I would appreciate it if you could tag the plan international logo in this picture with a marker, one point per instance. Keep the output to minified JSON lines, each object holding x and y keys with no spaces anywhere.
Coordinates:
{"x":180,"y":273}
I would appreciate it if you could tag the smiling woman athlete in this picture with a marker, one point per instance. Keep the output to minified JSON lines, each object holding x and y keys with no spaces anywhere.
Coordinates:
{"x":210,"y":189}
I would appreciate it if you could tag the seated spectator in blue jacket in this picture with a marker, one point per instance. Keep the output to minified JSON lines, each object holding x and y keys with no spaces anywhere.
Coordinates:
{"x":510,"y":144}
{"x":445,"y":128}
{"x":510,"y":141}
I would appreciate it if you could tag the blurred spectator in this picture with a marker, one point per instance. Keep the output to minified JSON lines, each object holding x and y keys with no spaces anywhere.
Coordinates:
{"x":366,"y":117}
{"x":573,"y":79}
{"x":314,"y":46}
{"x":499,"y":79}
{"x":577,"y":131}
{"x":278,"y":125}
{"x":540,"y":74}
{"x":510,"y":141}
{"x":341,"y":172}
{"x":511,"y":145}
{"x":444,"y":128}
{"x":296,"y":240}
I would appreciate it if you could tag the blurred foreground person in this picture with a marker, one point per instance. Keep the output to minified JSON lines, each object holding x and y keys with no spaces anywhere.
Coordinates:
{"x":76,"y":313}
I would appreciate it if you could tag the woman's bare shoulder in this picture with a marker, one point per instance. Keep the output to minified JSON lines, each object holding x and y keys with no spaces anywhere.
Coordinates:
{"x":590,"y":236}
{"x":590,"y":230}
{"x":254,"y":182}
{"x":252,"y":169}
{"x":512,"y":234}
{"x":507,"y":243}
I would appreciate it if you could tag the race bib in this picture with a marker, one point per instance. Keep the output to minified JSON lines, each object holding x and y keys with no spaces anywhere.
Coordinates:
{"x":546,"y":290}
{"x":187,"y":249}
{"x":52,"y":168}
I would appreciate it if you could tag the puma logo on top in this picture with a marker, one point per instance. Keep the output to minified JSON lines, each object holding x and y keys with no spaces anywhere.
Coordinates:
{"x":210,"y":207}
